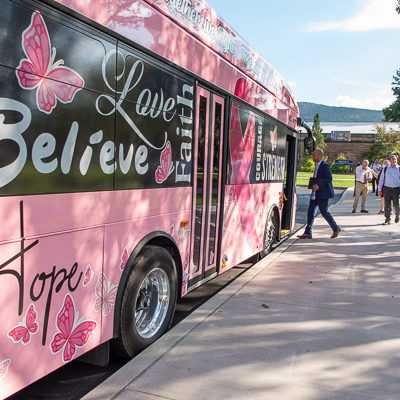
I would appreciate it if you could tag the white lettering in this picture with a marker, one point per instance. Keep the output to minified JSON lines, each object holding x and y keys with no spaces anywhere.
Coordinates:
{"x":44,"y":147}
{"x":14,"y":133}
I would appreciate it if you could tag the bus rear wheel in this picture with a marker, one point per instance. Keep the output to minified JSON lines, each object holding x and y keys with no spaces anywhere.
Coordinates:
{"x":270,"y":234}
{"x":148,"y":302}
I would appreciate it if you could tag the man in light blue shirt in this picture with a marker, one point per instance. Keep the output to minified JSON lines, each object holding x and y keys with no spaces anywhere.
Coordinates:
{"x":389,"y":186}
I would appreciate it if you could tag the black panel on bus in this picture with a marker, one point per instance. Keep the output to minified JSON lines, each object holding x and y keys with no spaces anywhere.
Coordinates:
{"x":72,"y":118}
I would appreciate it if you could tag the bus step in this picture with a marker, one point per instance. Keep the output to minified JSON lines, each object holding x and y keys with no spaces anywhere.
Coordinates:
{"x":284,"y":233}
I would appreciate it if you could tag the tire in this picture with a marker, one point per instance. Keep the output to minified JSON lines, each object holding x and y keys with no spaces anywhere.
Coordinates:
{"x":270,"y":234}
{"x":148,"y":302}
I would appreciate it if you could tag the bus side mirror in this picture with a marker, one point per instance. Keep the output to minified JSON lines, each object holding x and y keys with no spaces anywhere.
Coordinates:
{"x":309,"y":145}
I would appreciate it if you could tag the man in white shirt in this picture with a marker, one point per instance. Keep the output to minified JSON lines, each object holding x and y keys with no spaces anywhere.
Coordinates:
{"x":389,"y":186}
{"x":377,"y":168}
{"x":364,"y":175}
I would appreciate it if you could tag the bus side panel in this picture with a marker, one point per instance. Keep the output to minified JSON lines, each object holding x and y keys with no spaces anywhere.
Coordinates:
{"x":50,"y":306}
{"x":237,"y":244}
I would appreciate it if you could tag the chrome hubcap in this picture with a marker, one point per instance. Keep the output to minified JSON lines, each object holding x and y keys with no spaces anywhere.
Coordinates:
{"x":152,"y":303}
{"x":270,"y":234}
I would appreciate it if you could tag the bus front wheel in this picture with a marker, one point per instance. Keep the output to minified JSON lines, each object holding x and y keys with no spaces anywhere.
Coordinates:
{"x":148,"y":302}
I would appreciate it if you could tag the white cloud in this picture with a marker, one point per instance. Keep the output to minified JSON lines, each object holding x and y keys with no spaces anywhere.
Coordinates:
{"x":373,"y":15}
{"x":374,"y":102}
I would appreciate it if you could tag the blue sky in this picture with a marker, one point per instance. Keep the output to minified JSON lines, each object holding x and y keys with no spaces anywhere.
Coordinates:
{"x":333,"y":52}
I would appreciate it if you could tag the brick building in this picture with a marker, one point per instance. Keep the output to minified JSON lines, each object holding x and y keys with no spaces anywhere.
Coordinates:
{"x":351,"y":141}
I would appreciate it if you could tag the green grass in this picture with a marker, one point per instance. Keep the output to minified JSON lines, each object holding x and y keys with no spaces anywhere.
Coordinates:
{"x":339,"y":180}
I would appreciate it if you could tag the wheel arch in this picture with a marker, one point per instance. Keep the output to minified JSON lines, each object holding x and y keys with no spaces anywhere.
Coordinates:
{"x":157,"y":238}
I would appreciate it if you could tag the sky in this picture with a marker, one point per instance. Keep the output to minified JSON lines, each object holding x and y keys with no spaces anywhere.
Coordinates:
{"x":332,"y":52}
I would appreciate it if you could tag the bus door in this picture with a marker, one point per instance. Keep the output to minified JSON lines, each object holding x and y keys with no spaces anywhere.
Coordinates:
{"x":206,"y":184}
{"x":288,"y":211}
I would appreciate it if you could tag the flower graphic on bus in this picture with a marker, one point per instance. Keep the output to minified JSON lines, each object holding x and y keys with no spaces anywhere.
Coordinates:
{"x":87,"y":277}
{"x":4,"y":368}
{"x":106,"y":294}
{"x":165,"y":168}
{"x":38,"y":70}
{"x":25,"y":329}
{"x":72,"y":332}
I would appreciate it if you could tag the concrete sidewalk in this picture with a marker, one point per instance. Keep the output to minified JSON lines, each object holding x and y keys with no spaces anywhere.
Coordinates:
{"x":316,"y":319}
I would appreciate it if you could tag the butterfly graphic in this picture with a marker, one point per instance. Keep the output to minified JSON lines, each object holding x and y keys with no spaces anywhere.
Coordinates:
{"x":73,"y":332}
{"x":124,"y":259}
{"x":23,"y":331}
{"x":39,"y":71}
{"x":88,"y":275}
{"x":4,"y":368}
{"x":165,"y":168}
{"x":105,"y":295}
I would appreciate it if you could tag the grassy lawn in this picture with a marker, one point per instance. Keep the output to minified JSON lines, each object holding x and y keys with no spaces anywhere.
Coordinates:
{"x":339,"y":180}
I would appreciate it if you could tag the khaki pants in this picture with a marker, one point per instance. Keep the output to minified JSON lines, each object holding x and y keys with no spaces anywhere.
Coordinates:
{"x":361,"y":190}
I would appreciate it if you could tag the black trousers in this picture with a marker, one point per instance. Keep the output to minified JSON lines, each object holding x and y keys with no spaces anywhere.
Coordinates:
{"x":374,"y":180}
{"x":391,"y":195}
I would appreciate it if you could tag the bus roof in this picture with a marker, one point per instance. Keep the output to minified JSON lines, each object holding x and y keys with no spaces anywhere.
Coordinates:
{"x":200,"y":20}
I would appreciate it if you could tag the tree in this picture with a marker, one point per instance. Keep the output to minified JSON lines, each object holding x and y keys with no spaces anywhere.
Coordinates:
{"x":387,"y":143}
{"x":317,"y":133}
{"x":392,"y":113}
{"x":398,"y":6}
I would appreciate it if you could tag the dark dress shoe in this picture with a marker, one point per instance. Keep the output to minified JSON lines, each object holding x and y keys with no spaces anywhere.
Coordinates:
{"x":336,"y":233}
{"x":364,"y":211}
{"x":305,"y":236}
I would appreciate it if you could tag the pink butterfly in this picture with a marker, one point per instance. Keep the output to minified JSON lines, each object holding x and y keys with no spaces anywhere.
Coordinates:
{"x":124,"y":259}
{"x":73,"y":332}
{"x":88,"y":275}
{"x":166,"y":167}
{"x":4,"y":368}
{"x":105,"y":295}
{"x":23,"y":331}
{"x":39,"y":70}
{"x":273,"y":135}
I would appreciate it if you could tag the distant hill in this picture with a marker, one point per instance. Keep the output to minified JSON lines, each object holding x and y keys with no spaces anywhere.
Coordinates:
{"x":338,"y":114}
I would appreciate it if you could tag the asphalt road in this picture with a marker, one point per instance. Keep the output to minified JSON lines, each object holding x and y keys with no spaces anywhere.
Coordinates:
{"x":75,"y":379}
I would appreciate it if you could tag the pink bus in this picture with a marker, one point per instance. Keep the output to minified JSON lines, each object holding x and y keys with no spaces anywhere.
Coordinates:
{"x":145,"y":148}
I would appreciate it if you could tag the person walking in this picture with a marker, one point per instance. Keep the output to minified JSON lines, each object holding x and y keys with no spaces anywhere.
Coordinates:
{"x":364,"y":175}
{"x":322,"y":191}
{"x":376,"y":168}
{"x":382,"y":209}
{"x":389,"y":186}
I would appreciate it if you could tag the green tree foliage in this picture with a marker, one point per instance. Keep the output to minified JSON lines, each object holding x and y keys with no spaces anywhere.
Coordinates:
{"x":398,"y":6}
{"x":339,"y":168}
{"x":308,"y":164}
{"x":317,"y":133}
{"x":387,"y":143}
{"x":392,"y":113}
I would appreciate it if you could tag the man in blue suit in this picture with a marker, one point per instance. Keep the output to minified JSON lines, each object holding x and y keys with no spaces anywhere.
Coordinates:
{"x":322,"y":191}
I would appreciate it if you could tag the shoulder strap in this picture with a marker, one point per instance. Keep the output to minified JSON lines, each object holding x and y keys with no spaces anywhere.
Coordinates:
{"x":384,"y":176}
